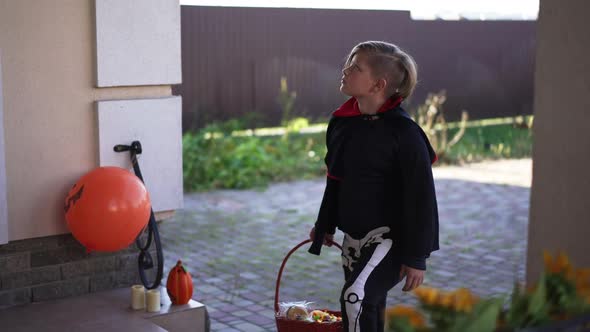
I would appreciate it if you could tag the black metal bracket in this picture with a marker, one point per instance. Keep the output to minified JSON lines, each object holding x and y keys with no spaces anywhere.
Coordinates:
{"x":145,"y":260}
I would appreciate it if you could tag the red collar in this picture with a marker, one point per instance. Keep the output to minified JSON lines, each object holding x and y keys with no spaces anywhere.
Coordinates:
{"x":351,"y":107}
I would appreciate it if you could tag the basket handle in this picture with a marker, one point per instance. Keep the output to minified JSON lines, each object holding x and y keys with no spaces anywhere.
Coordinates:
{"x":280,"y":275}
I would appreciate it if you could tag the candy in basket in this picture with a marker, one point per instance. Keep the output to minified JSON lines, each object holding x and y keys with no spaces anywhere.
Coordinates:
{"x":300,"y":316}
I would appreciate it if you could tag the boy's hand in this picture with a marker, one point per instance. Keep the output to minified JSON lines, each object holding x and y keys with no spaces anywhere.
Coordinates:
{"x":328,"y":238}
{"x":414,"y":277}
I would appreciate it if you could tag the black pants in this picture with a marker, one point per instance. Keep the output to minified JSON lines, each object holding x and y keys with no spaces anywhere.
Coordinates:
{"x":371,"y":269}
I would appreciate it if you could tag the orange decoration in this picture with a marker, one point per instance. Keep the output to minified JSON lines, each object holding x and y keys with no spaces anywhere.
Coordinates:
{"x":179,"y":284}
{"x":107,"y":209}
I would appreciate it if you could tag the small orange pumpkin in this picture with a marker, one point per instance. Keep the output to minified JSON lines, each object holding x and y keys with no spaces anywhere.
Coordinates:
{"x":179,"y":285}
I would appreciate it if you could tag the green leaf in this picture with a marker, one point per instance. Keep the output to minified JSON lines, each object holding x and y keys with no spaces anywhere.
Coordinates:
{"x":483,"y":318}
{"x":537,"y":304}
{"x":537,"y":312}
{"x":516,"y":294}
{"x":517,"y":313}
{"x":400,"y":324}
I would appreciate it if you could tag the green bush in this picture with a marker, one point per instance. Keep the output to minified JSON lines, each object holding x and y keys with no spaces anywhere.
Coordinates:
{"x":224,"y":161}
{"x":213,"y":158}
{"x":491,"y":142}
{"x":228,"y":155}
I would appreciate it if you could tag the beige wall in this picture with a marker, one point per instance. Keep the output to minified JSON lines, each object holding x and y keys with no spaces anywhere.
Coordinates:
{"x":48,"y":54}
{"x":3,"y":206}
{"x":560,"y":199}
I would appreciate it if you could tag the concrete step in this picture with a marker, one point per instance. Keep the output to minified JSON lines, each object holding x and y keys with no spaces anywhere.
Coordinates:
{"x":104,"y":311}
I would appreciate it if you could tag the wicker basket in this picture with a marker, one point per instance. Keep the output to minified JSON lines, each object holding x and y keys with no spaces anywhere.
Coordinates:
{"x":288,"y":325}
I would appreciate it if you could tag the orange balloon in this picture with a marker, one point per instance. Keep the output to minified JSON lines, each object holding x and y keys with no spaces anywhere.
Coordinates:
{"x":107,"y":209}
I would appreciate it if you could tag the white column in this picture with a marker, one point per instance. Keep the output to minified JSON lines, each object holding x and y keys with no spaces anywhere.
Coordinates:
{"x":3,"y":205}
{"x":560,"y":196}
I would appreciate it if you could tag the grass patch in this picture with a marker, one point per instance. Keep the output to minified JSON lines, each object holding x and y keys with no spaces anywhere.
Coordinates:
{"x":491,"y":142}
{"x":216,"y":158}
{"x":250,"y":161}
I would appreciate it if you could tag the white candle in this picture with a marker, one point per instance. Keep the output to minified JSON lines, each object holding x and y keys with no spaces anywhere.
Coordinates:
{"x":153,"y":300}
{"x":137,"y":297}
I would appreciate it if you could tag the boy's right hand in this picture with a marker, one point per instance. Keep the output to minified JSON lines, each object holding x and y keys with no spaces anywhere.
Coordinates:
{"x":328,"y":238}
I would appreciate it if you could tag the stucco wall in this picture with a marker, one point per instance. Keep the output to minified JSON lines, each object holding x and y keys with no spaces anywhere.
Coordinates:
{"x":3,"y":206}
{"x":50,"y":121}
{"x":560,"y":199}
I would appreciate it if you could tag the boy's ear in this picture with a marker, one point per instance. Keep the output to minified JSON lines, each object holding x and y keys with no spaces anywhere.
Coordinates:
{"x":380,"y":85}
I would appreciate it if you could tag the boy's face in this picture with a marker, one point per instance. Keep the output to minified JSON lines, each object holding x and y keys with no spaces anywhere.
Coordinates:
{"x":357,"y":79}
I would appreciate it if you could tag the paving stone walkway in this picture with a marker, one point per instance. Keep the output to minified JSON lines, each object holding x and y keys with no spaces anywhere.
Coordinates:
{"x":233,"y":243}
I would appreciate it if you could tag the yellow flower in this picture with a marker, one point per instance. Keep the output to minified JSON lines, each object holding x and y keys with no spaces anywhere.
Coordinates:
{"x":582,"y":279}
{"x":463,"y":300}
{"x":445,"y":300}
{"x":561,"y":264}
{"x":459,"y":300}
{"x":416,"y":319}
{"x":427,"y":295}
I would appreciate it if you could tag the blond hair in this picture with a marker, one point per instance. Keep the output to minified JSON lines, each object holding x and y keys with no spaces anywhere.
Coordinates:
{"x":388,"y":61}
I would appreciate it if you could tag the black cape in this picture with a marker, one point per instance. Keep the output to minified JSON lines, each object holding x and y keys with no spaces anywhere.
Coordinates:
{"x":380,"y":174}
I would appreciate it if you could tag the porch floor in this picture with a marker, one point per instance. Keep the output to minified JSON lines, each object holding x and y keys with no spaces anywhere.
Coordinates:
{"x":103,"y":311}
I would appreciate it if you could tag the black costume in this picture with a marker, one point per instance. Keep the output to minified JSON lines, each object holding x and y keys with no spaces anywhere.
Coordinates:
{"x":380,"y":193}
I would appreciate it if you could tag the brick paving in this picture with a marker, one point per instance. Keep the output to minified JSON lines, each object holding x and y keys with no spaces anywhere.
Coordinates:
{"x":233,"y":242}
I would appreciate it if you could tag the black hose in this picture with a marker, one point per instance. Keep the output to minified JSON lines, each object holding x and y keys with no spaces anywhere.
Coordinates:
{"x":145,"y":260}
